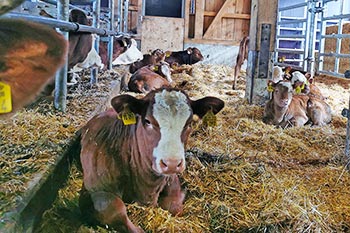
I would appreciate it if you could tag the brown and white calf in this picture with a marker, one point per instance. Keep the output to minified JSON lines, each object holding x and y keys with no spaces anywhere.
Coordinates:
{"x":156,"y":57}
{"x":286,"y":109}
{"x":241,"y":57}
{"x":149,"y":78}
{"x":138,"y":162}
{"x":30,"y":54}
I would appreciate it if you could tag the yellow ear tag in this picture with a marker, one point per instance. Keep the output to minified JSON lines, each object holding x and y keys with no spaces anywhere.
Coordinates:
{"x":302,"y":87}
{"x":5,"y":98}
{"x":128,"y":117}
{"x":167,"y":53}
{"x":155,"y":68}
{"x":298,"y":89}
{"x":270,"y":88}
{"x":209,"y":119}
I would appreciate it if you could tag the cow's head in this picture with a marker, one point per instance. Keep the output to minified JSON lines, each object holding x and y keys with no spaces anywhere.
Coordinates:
{"x":125,"y":52}
{"x":195,"y":54}
{"x":282,"y":93}
{"x":164,"y":124}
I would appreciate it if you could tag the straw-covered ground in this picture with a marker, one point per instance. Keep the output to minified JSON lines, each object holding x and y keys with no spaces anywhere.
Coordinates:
{"x":242,"y":175}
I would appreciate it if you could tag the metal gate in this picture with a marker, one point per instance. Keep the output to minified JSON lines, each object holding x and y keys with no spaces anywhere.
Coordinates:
{"x":301,"y":35}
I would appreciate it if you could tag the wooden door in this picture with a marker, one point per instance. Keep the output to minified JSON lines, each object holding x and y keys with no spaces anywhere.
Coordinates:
{"x":162,"y":33}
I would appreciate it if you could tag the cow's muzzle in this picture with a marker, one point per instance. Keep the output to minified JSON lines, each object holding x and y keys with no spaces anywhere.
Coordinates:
{"x":172,"y":166}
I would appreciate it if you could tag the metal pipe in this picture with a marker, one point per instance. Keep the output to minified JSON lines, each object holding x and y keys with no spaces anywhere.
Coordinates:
{"x":126,"y":13}
{"x":111,"y":38}
{"x":95,"y":23}
{"x":60,"y":93}
{"x":310,"y":59}
{"x":120,"y":13}
{"x":338,"y":43}
{"x":54,"y":2}
{"x":63,"y":25}
{"x":293,"y":6}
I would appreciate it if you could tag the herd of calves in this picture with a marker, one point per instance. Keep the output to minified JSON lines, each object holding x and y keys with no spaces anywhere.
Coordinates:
{"x":296,"y":100}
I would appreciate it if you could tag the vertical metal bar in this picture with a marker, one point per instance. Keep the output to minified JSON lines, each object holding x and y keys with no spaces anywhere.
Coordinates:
{"x":338,"y":45}
{"x":264,"y":56}
{"x":95,"y":23}
{"x":111,"y":27}
{"x":278,"y":32}
{"x":311,"y":46}
{"x":120,"y":13}
{"x":60,"y":93}
{"x":307,"y":35}
{"x":322,"y":40}
{"x":126,"y":13}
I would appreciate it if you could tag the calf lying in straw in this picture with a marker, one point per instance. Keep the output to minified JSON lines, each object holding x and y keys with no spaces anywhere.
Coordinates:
{"x":286,"y":109}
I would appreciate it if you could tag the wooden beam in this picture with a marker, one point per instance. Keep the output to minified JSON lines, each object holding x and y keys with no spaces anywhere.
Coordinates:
{"x":133,"y":8}
{"x":199,"y":19}
{"x":215,"y":27}
{"x":227,"y":15}
{"x":187,"y":18}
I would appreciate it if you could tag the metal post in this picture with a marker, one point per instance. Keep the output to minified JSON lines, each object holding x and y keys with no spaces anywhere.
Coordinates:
{"x":96,"y":23}
{"x":322,"y":40}
{"x":311,"y":45}
{"x":120,"y":13}
{"x":346,"y":113}
{"x":338,"y":45}
{"x":60,"y":93}
{"x":126,"y":13}
{"x":111,"y":27}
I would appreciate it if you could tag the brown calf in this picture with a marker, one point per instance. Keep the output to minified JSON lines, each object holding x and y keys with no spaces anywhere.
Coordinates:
{"x":138,"y":160}
{"x":146,"y":79}
{"x":30,"y":54}
{"x":241,"y":57}
{"x":189,"y":56}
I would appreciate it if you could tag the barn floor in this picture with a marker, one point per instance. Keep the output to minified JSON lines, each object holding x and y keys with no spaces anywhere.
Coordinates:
{"x":242,"y":175}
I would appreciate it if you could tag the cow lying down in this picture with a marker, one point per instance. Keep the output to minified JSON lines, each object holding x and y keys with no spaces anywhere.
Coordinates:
{"x":286,"y":109}
{"x":134,"y":153}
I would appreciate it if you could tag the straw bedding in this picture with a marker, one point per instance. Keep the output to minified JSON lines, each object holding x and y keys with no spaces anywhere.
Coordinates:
{"x":241,"y":176}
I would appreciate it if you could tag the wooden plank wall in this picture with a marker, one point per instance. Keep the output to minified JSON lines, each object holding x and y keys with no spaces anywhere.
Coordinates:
{"x":214,"y":21}
{"x":218,"y":21}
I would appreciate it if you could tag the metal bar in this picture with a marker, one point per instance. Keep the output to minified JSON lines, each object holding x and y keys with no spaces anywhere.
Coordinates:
{"x":347,"y":143}
{"x":60,"y":93}
{"x":290,"y":36}
{"x":322,"y":40}
{"x":331,"y":73}
{"x":340,"y":55}
{"x":120,"y":13}
{"x":342,"y":36}
{"x":54,"y":2}
{"x":125,"y":16}
{"x":338,"y":44}
{"x":264,"y":50}
{"x":111,"y":38}
{"x":292,"y":21}
{"x":310,"y":58}
{"x":63,"y":25}
{"x":293,"y":6}
{"x":291,"y":65}
{"x":341,"y":16}
{"x":294,"y":51}
{"x":95,"y":23}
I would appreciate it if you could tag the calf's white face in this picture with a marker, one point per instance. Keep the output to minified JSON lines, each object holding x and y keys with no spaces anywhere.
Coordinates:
{"x":172,"y":111}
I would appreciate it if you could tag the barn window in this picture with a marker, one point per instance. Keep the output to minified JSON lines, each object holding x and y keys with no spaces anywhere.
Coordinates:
{"x":173,"y":8}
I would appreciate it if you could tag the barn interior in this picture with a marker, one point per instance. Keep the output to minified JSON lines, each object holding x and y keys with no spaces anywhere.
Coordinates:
{"x":242,"y":175}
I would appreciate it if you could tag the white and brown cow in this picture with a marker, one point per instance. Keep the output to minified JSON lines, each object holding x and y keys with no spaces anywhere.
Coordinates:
{"x":156,"y":57}
{"x":138,"y":161}
{"x":286,"y":109}
{"x":30,"y":54}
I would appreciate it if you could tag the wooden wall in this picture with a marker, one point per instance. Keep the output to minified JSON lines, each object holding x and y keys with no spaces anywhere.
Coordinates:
{"x":213,"y":21}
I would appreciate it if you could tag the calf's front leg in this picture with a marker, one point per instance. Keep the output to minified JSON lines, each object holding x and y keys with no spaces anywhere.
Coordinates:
{"x":111,"y":210}
{"x":172,"y":197}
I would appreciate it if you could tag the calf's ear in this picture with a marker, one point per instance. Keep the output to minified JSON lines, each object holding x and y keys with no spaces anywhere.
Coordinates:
{"x":123,"y":103}
{"x":202,"y":106}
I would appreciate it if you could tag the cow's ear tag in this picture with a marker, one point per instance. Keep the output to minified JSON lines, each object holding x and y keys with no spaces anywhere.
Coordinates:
{"x":298,"y":89}
{"x":270,"y":88}
{"x":5,"y":98}
{"x":167,"y":53}
{"x":209,"y":119}
{"x":155,"y":68}
{"x":128,"y":117}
